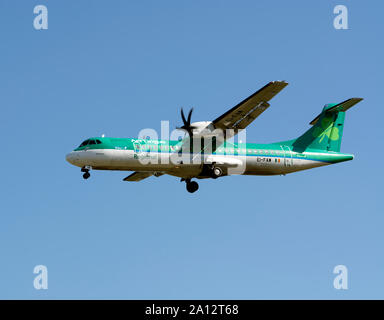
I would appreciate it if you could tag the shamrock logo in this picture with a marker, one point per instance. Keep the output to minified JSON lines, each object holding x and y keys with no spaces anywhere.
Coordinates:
{"x":326,"y":129}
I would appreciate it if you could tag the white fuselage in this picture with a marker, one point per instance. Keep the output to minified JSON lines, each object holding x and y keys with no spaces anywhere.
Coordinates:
{"x":173,"y":164}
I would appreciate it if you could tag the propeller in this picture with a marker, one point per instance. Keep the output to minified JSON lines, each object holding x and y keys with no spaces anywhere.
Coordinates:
{"x":187,"y":122}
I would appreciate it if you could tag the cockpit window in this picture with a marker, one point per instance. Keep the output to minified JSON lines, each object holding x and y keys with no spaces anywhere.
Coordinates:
{"x":84,"y":143}
{"x":90,"y":142}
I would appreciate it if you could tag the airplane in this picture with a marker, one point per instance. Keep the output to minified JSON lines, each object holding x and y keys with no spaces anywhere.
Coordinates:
{"x":220,"y":156}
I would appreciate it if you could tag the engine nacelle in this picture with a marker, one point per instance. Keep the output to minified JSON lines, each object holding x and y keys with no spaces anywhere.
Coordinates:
{"x":202,"y":127}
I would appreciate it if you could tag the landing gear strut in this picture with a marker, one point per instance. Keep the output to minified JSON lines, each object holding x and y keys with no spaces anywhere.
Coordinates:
{"x":192,"y":186}
{"x":86,"y":169}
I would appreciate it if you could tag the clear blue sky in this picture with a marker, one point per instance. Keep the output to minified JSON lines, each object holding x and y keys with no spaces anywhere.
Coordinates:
{"x":117,"y":67}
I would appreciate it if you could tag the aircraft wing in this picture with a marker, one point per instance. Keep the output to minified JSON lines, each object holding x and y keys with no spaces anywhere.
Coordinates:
{"x":138,"y":176}
{"x":241,"y":115}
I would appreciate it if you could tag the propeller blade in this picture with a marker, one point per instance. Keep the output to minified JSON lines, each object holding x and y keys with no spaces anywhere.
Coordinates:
{"x":190,"y":116}
{"x":183,"y":117}
{"x":187,"y":122}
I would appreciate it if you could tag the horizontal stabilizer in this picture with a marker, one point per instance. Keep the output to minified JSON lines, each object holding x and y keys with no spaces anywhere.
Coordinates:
{"x":340,"y":107}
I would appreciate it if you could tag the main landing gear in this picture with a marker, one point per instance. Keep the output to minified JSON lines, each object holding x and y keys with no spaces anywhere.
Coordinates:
{"x":86,"y":170}
{"x":209,"y":170}
{"x":192,"y":186}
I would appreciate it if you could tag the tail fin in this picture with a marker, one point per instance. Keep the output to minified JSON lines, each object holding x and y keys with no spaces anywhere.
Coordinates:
{"x":327,"y":129}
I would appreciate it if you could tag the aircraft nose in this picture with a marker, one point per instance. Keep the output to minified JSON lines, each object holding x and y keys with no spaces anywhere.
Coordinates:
{"x":70,"y":158}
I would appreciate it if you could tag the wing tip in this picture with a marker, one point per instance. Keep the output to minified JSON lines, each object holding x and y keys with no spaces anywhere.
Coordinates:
{"x":283,"y":82}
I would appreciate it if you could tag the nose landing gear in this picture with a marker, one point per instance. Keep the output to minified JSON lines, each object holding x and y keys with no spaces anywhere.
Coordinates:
{"x":86,"y":169}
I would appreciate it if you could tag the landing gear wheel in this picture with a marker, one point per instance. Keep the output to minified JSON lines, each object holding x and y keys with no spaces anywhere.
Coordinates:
{"x":192,"y":186}
{"x":216,"y":172}
{"x":86,"y":169}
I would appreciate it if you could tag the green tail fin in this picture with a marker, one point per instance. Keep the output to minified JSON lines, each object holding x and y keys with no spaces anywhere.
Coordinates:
{"x":327,"y":129}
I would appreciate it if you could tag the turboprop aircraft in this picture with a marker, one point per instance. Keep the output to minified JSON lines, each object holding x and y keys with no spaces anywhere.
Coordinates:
{"x":207,"y":149}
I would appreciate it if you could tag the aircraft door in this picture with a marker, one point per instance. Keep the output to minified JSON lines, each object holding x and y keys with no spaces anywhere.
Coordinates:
{"x":288,"y":161}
